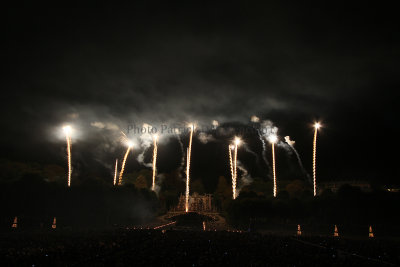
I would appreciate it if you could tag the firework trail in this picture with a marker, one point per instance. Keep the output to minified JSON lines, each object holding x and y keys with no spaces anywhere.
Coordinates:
{"x":233,"y":165}
{"x":121,"y":173}
{"x":273,"y":168}
{"x":234,"y":170}
{"x":67,"y":130}
{"x":189,"y":151}
{"x":116,"y":171}
{"x":291,"y":144}
{"x":316,"y":126}
{"x":273,"y":139}
{"x":230,"y":161}
{"x":154,"y":162}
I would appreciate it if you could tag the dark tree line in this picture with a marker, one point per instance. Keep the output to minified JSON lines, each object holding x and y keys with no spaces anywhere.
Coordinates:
{"x":349,"y":207}
{"x":89,"y":204}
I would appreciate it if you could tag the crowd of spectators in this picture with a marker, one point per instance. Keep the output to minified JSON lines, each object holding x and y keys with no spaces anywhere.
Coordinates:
{"x":189,"y":248}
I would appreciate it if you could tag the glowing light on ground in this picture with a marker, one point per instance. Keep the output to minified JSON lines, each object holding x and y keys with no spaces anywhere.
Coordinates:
{"x":273,"y":139}
{"x":115,"y":171}
{"x":154,"y":162}
{"x":121,"y":173}
{"x":67,"y":131}
{"x":189,"y":151}
{"x":316,"y":127}
{"x":161,"y":226}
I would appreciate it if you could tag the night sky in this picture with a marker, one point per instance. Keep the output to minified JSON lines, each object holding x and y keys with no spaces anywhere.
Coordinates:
{"x":173,"y":64}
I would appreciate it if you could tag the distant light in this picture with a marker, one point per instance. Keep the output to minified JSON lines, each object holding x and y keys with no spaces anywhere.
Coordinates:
{"x":273,"y":138}
{"x":237,"y":141}
{"x":67,"y":129}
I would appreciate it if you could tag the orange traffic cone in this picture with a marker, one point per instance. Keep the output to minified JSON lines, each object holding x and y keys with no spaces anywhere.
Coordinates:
{"x":370,"y":234}
{"x":298,"y":229}
{"x":54,"y":225}
{"x":15,"y":223}
{"x":336,"y":233}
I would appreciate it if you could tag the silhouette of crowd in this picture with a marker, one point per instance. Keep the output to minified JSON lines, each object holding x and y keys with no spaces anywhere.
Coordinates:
{"x":189,"y":248}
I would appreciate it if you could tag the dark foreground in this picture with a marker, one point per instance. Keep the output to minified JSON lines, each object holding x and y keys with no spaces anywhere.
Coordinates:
{"x":189,"y":248}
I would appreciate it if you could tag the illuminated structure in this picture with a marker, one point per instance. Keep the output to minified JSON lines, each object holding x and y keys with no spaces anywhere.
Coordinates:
{"x":15,"y":223}
{"x":54,"y":225}
{"x":336,"y":232}
{"x":197,"y":203}
{"x":370,"y":234}
{"x":298,"y":230}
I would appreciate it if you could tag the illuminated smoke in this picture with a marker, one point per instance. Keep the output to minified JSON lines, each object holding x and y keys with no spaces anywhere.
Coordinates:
{"x":146,"y":139}
{"x":107,"y":125}
{"x":291,"y":145}
{"x":215,"y":124}
{"x":246,"y":147}
{"x":264,"y":149}
{"x":269,"y":131}
{"x":267,"y":128}
{"x":205,"y":138}
{"x":255,"y":119}
{"x":290,"y":142}
{"x":182,"y":153}
{"x":244,"y":178}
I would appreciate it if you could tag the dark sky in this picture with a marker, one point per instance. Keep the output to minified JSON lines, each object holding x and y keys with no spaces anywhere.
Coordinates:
{"x":157,"y":63}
